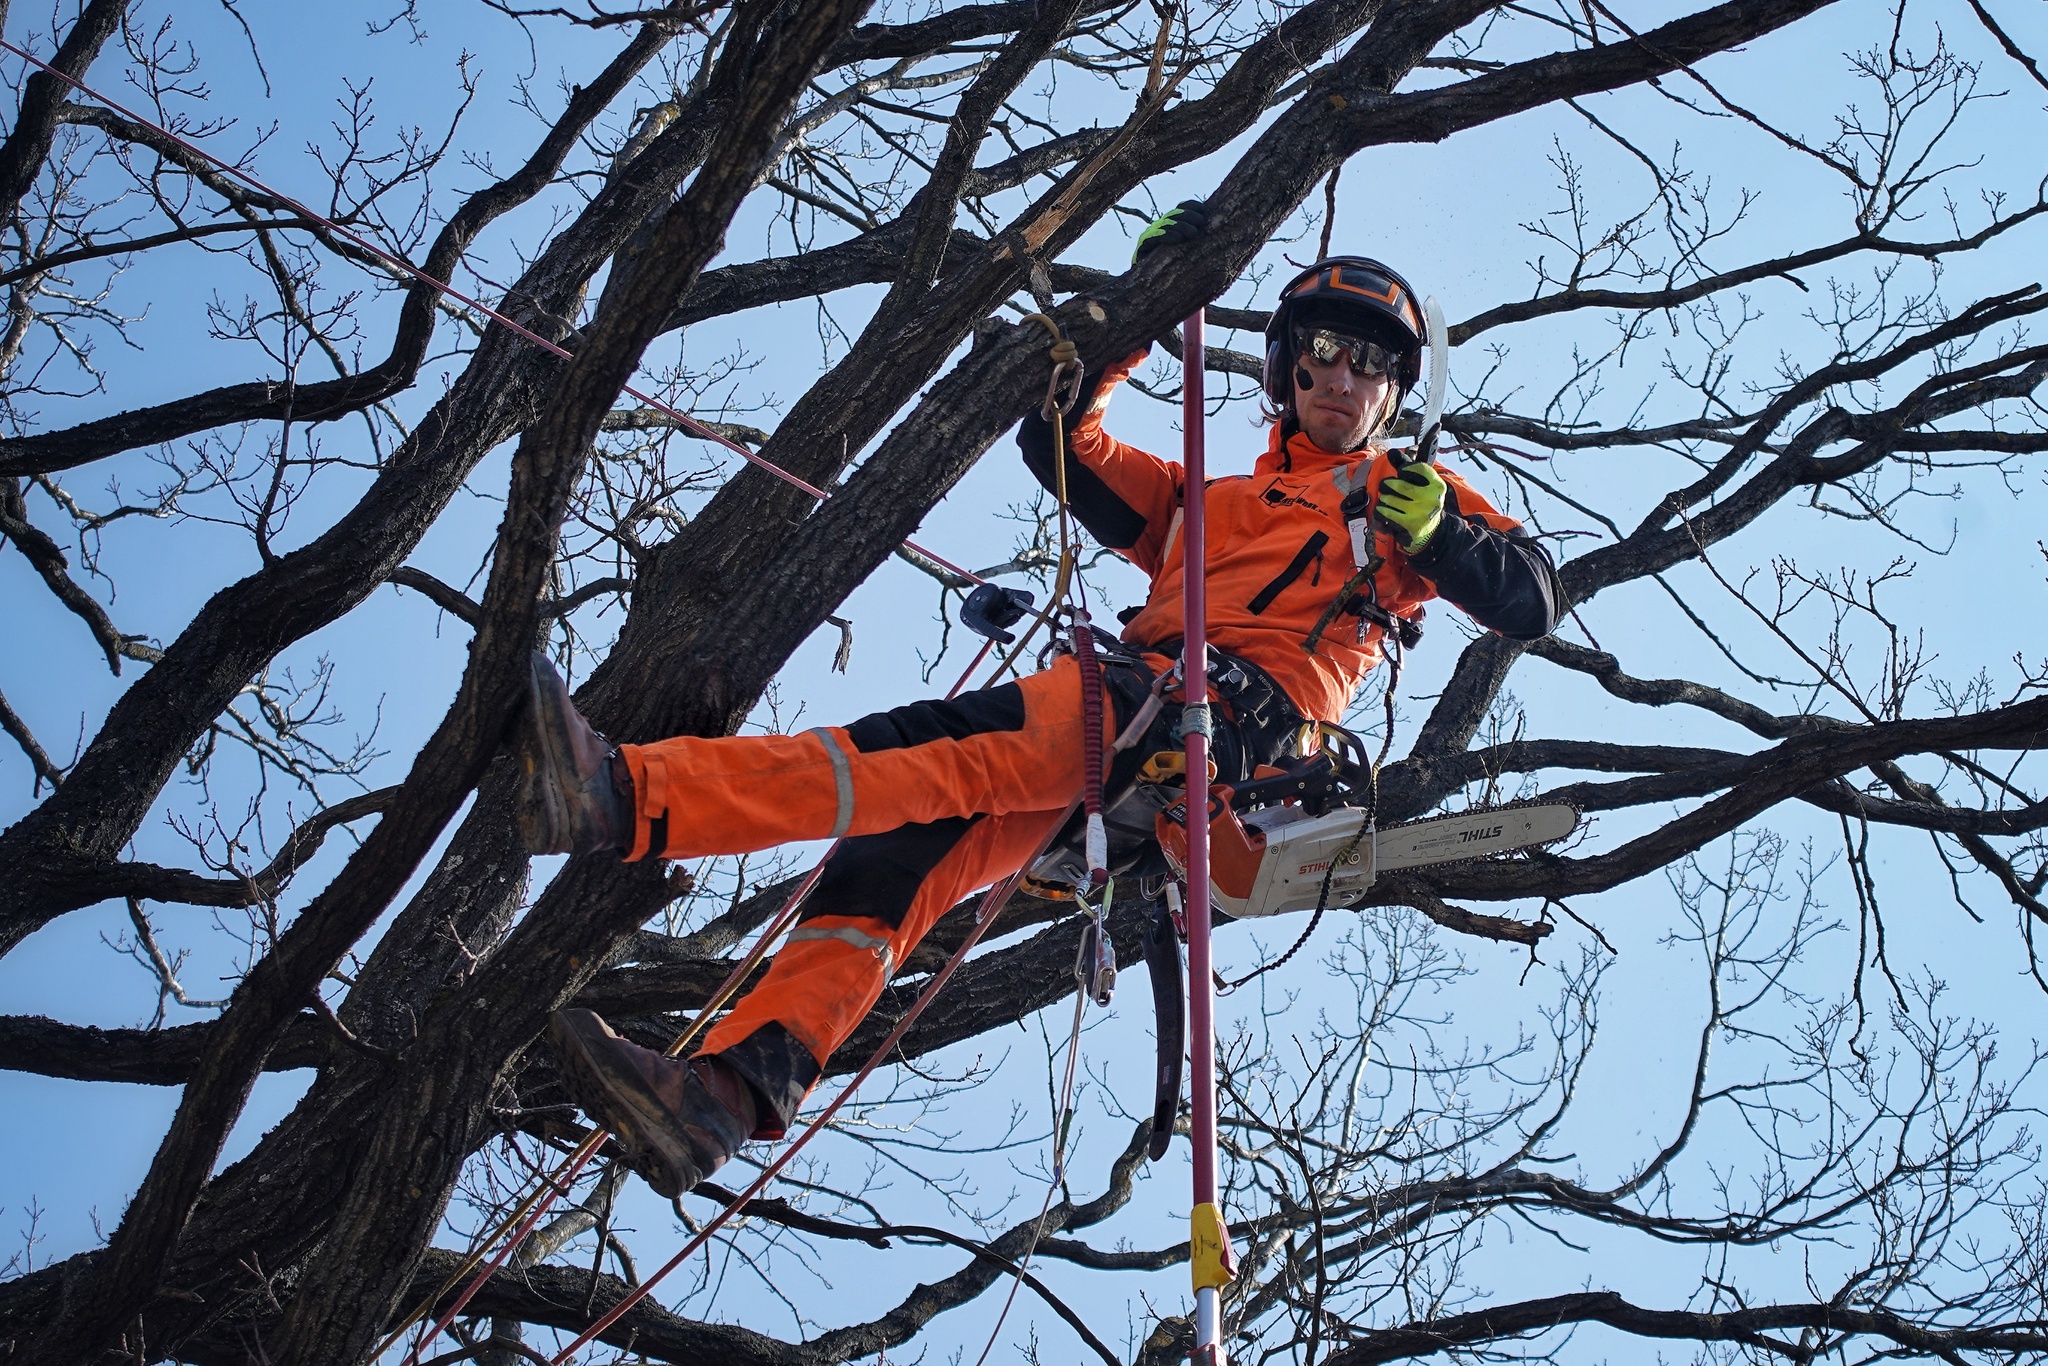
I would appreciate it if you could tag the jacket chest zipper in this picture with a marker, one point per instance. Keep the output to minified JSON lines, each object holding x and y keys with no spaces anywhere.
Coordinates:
{"x":1311,"y":552}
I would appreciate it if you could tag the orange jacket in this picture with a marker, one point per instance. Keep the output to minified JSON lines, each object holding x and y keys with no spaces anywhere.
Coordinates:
{"x":1279,"y":553}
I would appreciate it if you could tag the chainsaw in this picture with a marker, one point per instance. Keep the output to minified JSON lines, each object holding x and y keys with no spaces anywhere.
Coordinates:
{"x":1288,"y":840}
{"x":1282,"y":858}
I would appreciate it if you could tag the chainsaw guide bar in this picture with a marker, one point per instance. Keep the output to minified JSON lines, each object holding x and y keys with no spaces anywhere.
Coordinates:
{"x":1473,"y":834}
{"x":1277,"y":859}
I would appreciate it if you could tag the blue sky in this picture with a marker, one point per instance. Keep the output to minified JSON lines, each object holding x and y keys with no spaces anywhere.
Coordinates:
{"x":1452,"y":217}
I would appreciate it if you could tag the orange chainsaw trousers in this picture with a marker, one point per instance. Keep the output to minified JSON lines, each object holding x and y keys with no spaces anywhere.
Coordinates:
{"x":929,"y":801}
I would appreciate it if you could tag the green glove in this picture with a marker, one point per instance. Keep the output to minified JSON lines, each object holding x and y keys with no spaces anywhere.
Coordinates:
{"x":1184,"y":222}
{"x":1412,"y":504}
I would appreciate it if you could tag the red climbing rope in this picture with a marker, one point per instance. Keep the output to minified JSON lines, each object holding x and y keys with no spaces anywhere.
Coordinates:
{"x":554,"y":1186}
{"x":405,"y":267}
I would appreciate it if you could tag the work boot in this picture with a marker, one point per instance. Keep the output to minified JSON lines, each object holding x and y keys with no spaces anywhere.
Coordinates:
{"x":676,"y":1122}
{"x":575,"y":792}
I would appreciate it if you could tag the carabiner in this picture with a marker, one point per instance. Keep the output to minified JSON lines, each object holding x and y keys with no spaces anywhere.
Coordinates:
{"x":1068,"y":373}
{"x":1095,"y":956}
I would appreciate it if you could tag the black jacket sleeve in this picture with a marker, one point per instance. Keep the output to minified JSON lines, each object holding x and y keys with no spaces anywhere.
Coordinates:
{"x":1504,"y":580}
{"x":1113,"y":523}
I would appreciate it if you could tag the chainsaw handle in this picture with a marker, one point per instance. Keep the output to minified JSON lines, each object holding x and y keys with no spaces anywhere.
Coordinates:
{"x":1309,"y":781}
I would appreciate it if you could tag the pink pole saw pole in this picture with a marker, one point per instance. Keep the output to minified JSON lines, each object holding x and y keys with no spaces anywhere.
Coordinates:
{"x":1210,"y":1258}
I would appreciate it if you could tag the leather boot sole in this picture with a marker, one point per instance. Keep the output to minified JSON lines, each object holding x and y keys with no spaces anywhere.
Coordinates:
{"x":620,"y":1099}
{"x":544,"y":753}
{"x":566,"y":795}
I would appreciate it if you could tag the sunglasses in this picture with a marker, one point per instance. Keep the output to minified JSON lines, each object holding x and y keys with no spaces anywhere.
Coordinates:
{"x":1324,"y":345}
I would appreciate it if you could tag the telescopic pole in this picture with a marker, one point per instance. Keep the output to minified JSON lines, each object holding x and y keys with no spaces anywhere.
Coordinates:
{"x":1210,"y":1257}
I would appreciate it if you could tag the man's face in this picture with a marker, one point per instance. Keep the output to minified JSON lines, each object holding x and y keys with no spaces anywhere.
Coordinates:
{"x":1339,"y":406}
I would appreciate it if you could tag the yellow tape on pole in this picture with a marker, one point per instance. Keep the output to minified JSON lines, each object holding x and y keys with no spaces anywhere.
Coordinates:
{"x":1210,"y":1256}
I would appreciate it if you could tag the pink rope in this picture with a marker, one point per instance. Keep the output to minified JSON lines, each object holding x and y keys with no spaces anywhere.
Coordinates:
{"x":405,"y":267}
{"x":783,"y":919}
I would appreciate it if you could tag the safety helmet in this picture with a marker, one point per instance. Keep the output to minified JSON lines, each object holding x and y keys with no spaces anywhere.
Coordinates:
{"x":1345,"y":291}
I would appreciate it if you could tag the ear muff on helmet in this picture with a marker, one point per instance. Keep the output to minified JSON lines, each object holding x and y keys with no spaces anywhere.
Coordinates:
{"x":1357,"y":290}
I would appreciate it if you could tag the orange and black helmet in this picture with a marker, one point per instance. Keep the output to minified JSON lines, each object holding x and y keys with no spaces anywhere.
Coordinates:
{"x":1345,"y":291}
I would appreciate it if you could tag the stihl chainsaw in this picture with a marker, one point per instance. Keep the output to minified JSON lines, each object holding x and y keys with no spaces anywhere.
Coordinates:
{"x":1282,"y":857}
{"x":1287,"y":840}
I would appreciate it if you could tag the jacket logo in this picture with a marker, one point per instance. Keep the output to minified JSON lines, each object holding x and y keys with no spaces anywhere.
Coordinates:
{"x":1275,"y":496}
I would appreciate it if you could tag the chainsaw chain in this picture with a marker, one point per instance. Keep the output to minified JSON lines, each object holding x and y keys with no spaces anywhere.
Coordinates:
{"x":1577,"y":816}
{"x":1225,"y":986}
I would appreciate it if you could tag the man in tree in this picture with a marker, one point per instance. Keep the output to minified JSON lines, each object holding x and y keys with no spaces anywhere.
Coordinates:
{"x":936,"y":799}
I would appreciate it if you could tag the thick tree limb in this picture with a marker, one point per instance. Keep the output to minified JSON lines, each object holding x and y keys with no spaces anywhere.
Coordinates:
{"x":35,"y":126}
{"x":1785,"y":771}
{"x":153,"y":882}
{"x":150,"y":1057}
{"x":1750,"y":1327}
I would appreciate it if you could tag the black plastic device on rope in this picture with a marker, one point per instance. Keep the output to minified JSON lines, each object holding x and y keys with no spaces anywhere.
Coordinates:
{"x":405,"y":267}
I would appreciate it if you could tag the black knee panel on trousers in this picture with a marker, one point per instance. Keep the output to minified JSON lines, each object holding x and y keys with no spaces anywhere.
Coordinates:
{"x":978,"y":713}
{"x":877,"y":876}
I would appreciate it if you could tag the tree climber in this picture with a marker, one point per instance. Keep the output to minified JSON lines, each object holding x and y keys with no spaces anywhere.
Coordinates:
{"x":936,"y":799}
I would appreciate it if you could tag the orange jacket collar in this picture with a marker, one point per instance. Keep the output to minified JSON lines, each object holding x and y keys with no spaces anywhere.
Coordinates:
{"x":1303,"y":456}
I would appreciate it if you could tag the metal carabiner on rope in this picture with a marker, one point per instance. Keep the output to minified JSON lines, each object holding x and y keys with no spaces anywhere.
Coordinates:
{"x":1067,"y":372}
{"x":1095,"y":957}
